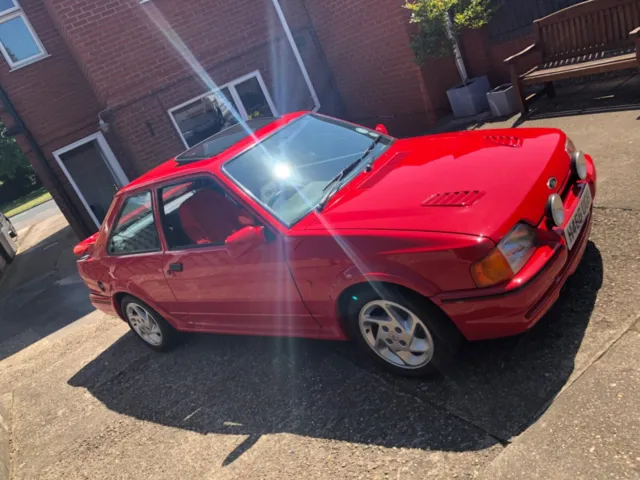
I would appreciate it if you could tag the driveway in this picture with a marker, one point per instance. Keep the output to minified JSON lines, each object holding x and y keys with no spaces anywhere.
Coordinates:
{"x":86,"y":400}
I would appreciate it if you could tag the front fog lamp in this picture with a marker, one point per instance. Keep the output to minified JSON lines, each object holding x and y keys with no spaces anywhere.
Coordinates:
{"x":579,"y":165}
{"x":556,"y":209}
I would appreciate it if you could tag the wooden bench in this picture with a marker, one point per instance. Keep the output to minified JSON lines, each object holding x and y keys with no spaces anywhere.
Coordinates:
{"x":591,"y":37}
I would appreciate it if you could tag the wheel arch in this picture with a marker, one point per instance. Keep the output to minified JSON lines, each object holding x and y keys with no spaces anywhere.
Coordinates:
{"x":346,"y":296}
{"x":117,"y":302}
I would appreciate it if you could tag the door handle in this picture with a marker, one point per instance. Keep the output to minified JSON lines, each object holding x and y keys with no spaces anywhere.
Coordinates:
{"x":174,"y":267}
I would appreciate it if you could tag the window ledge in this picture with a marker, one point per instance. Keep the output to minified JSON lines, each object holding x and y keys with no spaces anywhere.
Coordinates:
{"x":30,"y":62}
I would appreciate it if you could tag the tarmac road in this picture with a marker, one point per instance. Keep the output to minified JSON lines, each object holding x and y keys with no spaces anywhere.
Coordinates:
{"x":35,"y":214}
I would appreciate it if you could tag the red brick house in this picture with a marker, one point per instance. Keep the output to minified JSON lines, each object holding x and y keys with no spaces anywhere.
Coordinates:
{"x":99,"y":91}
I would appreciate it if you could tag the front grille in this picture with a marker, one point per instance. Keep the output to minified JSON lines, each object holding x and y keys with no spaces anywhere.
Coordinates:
{"x":568,"y":183}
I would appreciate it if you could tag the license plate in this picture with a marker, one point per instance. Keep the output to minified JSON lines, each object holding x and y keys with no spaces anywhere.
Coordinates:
{"x":578,"y":219}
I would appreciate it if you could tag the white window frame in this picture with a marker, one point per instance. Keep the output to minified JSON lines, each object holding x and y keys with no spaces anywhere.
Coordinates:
{"x":112,"y":164}
{"x":234,"y":96}
{"x":17,"y":12}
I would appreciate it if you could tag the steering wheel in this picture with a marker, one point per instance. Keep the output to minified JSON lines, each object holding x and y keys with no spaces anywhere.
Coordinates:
{"x":289,"y":187}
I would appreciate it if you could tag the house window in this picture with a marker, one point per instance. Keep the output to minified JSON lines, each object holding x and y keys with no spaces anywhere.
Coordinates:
{"x":201,"y":117}
{"x":18,"y":42}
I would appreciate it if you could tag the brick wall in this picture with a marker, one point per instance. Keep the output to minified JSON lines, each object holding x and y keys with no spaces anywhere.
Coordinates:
{"x":145,"y":125}
{"x":114,"y":56}
{"x":484,"y":57}
{"x":138,"y":74}
{"x":54,"y":101}
{"x":125,"y":54}
{"x":366,"y":43}
{"x":481,"y":57}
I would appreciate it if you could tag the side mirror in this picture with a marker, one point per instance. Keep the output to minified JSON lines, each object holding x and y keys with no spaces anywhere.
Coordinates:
{"x":382,"y":129}
{"x":245,"y":239}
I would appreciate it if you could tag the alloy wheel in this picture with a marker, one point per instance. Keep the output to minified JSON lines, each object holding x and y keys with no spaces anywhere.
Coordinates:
{"x":144,"y":324}
{"x":396,"y":334}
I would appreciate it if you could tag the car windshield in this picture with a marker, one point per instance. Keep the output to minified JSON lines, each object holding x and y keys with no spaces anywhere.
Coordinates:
{"x":289,"y":171}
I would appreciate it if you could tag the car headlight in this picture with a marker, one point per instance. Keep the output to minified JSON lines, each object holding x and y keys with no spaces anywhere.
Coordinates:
{"x":555,"y":209}
{"x":578,"y":162}
{"x":507,"y":259}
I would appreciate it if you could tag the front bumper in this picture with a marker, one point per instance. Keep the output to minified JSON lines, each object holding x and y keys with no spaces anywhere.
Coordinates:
{"x":512,"y":309}
{"x":516,"y":311}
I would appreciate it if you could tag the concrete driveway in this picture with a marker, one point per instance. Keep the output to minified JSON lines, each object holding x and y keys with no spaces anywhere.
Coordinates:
{"x":86,"y":400}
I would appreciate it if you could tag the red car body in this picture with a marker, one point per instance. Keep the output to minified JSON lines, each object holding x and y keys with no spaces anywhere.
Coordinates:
{"x":426,"y":211}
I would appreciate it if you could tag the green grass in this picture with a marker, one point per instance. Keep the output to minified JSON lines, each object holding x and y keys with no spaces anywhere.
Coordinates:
{"x":25,"y":203}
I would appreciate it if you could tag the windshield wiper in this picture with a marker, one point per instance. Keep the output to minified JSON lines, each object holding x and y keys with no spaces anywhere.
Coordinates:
{"x":334,"y":184}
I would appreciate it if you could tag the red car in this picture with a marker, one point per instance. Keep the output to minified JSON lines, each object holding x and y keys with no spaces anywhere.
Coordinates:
{"x":308,"y":226}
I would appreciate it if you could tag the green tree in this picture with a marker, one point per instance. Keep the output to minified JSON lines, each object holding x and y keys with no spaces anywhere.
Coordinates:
{"x":17,"y":176}
{"x":431,"y":17}
{"x":12,"y":160}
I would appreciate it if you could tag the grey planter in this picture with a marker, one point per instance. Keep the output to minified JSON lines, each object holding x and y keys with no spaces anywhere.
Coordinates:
{"x":470,"y":99}
{"x":502,"y":100}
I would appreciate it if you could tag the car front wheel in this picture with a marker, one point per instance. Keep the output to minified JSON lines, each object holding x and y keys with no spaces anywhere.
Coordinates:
{"x":403,"y":332}
{"x":148,"y":325}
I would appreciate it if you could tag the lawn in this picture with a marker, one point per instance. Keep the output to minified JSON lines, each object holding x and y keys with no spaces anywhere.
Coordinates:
{"x":25,"y":203}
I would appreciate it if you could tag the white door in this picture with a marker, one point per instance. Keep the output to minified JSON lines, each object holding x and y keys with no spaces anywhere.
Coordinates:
{"x":94,"y":173}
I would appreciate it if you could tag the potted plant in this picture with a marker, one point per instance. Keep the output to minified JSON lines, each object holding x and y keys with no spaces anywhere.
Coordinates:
{"x":439,"y":23}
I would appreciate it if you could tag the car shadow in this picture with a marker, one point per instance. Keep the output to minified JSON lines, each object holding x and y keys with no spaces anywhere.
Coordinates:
{"x":41,"y":292}
{"x":254,"y":386}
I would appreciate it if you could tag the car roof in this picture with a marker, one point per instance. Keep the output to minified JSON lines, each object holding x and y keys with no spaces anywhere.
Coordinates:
{"x":174,"y":169}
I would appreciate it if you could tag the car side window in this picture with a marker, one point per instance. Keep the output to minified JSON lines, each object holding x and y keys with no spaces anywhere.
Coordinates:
{"x":135,"y":230}
{"x":199,"y":213}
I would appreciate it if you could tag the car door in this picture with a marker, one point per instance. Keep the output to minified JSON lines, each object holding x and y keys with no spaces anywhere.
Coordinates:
{"x":251,"y":293}
{"x":134,"y":255}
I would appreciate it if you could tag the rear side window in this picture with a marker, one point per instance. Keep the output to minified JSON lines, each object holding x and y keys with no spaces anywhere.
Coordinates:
{"x":135,"y":230}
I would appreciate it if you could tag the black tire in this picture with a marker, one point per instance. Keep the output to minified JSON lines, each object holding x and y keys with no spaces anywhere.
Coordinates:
{"x":169,"y":335}
{"x":445,"y":336}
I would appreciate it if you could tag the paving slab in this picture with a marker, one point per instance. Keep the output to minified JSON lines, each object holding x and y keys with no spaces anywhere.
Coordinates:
{"x":590,"y":432}
{"x":250,"y":407}
{"x":88,"y":401}
{"x":503,"y":386}
{"x":41,"y":291}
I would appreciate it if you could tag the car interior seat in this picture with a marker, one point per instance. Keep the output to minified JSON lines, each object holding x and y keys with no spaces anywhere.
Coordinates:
{"x":209,"y":217}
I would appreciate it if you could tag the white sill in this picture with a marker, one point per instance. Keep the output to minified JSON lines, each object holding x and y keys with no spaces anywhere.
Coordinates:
{"x":30,"y":62}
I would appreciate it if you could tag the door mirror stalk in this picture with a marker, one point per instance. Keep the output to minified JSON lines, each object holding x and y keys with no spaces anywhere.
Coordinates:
{"x":244,"y":240}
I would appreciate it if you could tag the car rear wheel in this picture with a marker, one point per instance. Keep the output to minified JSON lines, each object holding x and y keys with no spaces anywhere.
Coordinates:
{"x":148,"y":325}
{"x":403,"y":332}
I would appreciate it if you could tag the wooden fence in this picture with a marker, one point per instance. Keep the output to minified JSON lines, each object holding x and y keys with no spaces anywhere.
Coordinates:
{"x":514,"y":18}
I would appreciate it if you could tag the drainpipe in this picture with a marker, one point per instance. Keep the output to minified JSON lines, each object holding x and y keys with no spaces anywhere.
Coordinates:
{"x":296,"y":53}
{"x":42,"y":160}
